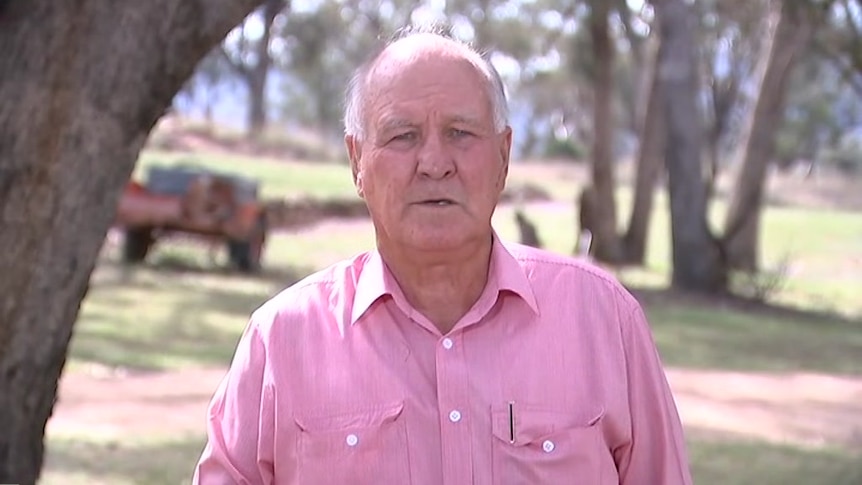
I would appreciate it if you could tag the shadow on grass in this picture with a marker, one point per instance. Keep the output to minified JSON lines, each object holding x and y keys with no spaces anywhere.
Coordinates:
{"x":731,"y":334}
{"x":162,"y":317}
{"x":169,"y":462}
{"x":170,"y":267}
{"x":715,"y":460}
{"x":729,"y":460}
{"x":151,"y":319}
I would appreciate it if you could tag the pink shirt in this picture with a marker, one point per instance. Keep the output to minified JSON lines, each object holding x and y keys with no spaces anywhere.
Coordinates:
{"x":552,"y":377}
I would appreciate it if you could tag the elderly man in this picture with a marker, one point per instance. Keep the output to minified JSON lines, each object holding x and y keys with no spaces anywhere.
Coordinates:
{"x":444,"y":356}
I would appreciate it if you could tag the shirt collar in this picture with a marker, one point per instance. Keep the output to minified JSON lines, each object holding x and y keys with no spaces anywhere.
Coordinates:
{"x":505,"y":273}
{"x":375,"y":280}
{"x":508,"y":275}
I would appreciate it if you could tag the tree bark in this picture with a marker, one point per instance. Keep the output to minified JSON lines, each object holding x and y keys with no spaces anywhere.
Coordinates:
{"x":650,"y":163}
{"x":257,"y":75}
{"x":787,"y":35}
{"x":697,"y":259}
{"x":83,"y":83}
{"x":607,"y":244}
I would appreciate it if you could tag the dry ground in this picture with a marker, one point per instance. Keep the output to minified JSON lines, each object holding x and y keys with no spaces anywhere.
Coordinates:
{"x":800,"y":409}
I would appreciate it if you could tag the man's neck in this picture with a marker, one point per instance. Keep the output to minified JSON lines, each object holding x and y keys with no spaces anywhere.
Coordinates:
{"x":443,"y":287}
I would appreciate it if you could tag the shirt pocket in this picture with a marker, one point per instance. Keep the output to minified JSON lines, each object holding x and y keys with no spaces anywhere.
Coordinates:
{"x":367,"y":446}
{"x":549,"y":447}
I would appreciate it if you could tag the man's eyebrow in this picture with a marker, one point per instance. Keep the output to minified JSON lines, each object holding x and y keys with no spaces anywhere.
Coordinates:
{"x":467,"y":120}
{"x":389,"y":124}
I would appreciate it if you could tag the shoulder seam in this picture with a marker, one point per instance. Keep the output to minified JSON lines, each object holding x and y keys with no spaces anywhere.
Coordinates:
{"x":614,"y":284}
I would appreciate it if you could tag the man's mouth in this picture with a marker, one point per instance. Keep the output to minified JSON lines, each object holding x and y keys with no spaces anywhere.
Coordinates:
{"x":438,"y":202}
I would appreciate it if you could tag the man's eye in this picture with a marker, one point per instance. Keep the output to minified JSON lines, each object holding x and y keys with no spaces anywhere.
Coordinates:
{"x":409,"y":136}
{"x":456,"y":133}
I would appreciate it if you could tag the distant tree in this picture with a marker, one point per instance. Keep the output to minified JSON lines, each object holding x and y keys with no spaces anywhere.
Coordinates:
{"x":211,"y":72}
{"x":83,"y":84}
{"x":840,"y":39}
{"x":697,"y":259}
{"x":731,"y":39}
{"x":251,"y":59}
{"x":320,"y":48}
{"x":607,"y":245}
{"x":650,"y":162}
{"x":790,"y":30}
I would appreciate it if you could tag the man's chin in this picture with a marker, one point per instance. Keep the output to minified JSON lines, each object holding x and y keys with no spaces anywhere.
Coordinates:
{"x":445,"y":240}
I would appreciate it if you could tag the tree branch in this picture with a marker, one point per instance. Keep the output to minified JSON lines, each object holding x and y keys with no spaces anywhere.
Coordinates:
{"x":850,"y":71}
{"x":237,"y":66}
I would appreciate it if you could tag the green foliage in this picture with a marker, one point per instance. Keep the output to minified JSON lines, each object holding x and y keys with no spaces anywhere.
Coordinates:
{"x":820,"y":109}
{"x":761,"y":285}
{"x":564,"y":148}
{"x":846,"y":157}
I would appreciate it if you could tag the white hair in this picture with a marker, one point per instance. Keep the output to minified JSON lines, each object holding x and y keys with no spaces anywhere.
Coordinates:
{"x":354,"y":105}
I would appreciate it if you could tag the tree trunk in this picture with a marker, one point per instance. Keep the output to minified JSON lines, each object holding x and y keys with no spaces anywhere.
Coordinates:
{"x":697,"y":260}
{"x":787,"y":34}
{"x":650,"y":162}
{"x":256,"y":76}
{"x":607,"y":244}
{"x":256,"y":103}
{"x":83,"y":83}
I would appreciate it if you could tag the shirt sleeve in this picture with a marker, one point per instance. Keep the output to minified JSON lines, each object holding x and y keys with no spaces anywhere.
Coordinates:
{"x":656,"y":454}
{"x":240,"y":421}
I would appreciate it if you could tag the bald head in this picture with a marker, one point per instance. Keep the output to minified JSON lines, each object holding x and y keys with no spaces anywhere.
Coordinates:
{"x":409,"y":50}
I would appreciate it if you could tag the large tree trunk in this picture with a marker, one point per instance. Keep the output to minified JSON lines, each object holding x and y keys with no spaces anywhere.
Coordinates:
{"x":83,"y":83}
{"x":653,"y":136}
{"x":603,"y":217}
{"x":787,"y":34}
{"x":697,"y":260}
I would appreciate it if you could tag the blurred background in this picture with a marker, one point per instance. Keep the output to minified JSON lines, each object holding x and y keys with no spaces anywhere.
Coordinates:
{"x":712,"y":149}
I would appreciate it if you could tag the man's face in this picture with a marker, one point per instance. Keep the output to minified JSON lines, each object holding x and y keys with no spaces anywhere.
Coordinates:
{"x":431,"y":167}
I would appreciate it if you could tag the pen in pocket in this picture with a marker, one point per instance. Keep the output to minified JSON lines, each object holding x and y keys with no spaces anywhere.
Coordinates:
{"x":511,"y":421}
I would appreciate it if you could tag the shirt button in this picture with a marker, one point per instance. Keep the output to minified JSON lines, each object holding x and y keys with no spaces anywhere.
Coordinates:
{"x":447,"y":343}
{"x":455,"y":416}
{"x":548,"y":446}
{"x":352,"y":439}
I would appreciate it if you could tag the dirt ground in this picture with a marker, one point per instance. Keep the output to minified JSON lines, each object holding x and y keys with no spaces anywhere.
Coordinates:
{"x":799,"y":409}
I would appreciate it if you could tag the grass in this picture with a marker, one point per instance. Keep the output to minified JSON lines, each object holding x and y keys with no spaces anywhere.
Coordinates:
{"x":729,"y":461}
{"x":180,"y":310}
{"x":278,"y":178}
{"x":160,"y":317}
{"x":73,"y":460}
{"x":709,"y":337}
{"x":716,"y":461}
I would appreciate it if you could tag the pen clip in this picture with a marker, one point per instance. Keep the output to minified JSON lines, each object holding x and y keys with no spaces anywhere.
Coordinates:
{"x":512,"y":422}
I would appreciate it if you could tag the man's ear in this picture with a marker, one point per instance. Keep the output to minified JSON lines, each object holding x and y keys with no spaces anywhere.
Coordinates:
{"x":354,"y":153}
{"x":505,"y":153}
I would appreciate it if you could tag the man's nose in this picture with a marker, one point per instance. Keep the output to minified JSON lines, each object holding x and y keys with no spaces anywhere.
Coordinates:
{"x":435,"y":161}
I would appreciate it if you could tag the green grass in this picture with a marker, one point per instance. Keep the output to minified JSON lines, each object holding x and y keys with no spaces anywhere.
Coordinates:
{"x":733,"y":461}
{"x":161,"y":316}
{"x":161,"y":319}
{"x":74,"y":460}
{"x":715,"y":461}
{"x":278,"y":178}
{"x":712,"y":337}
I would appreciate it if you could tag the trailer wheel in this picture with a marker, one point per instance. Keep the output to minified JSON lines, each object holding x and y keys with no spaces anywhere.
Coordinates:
{"x":246,"y":254}
{"x":136,"y":244}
